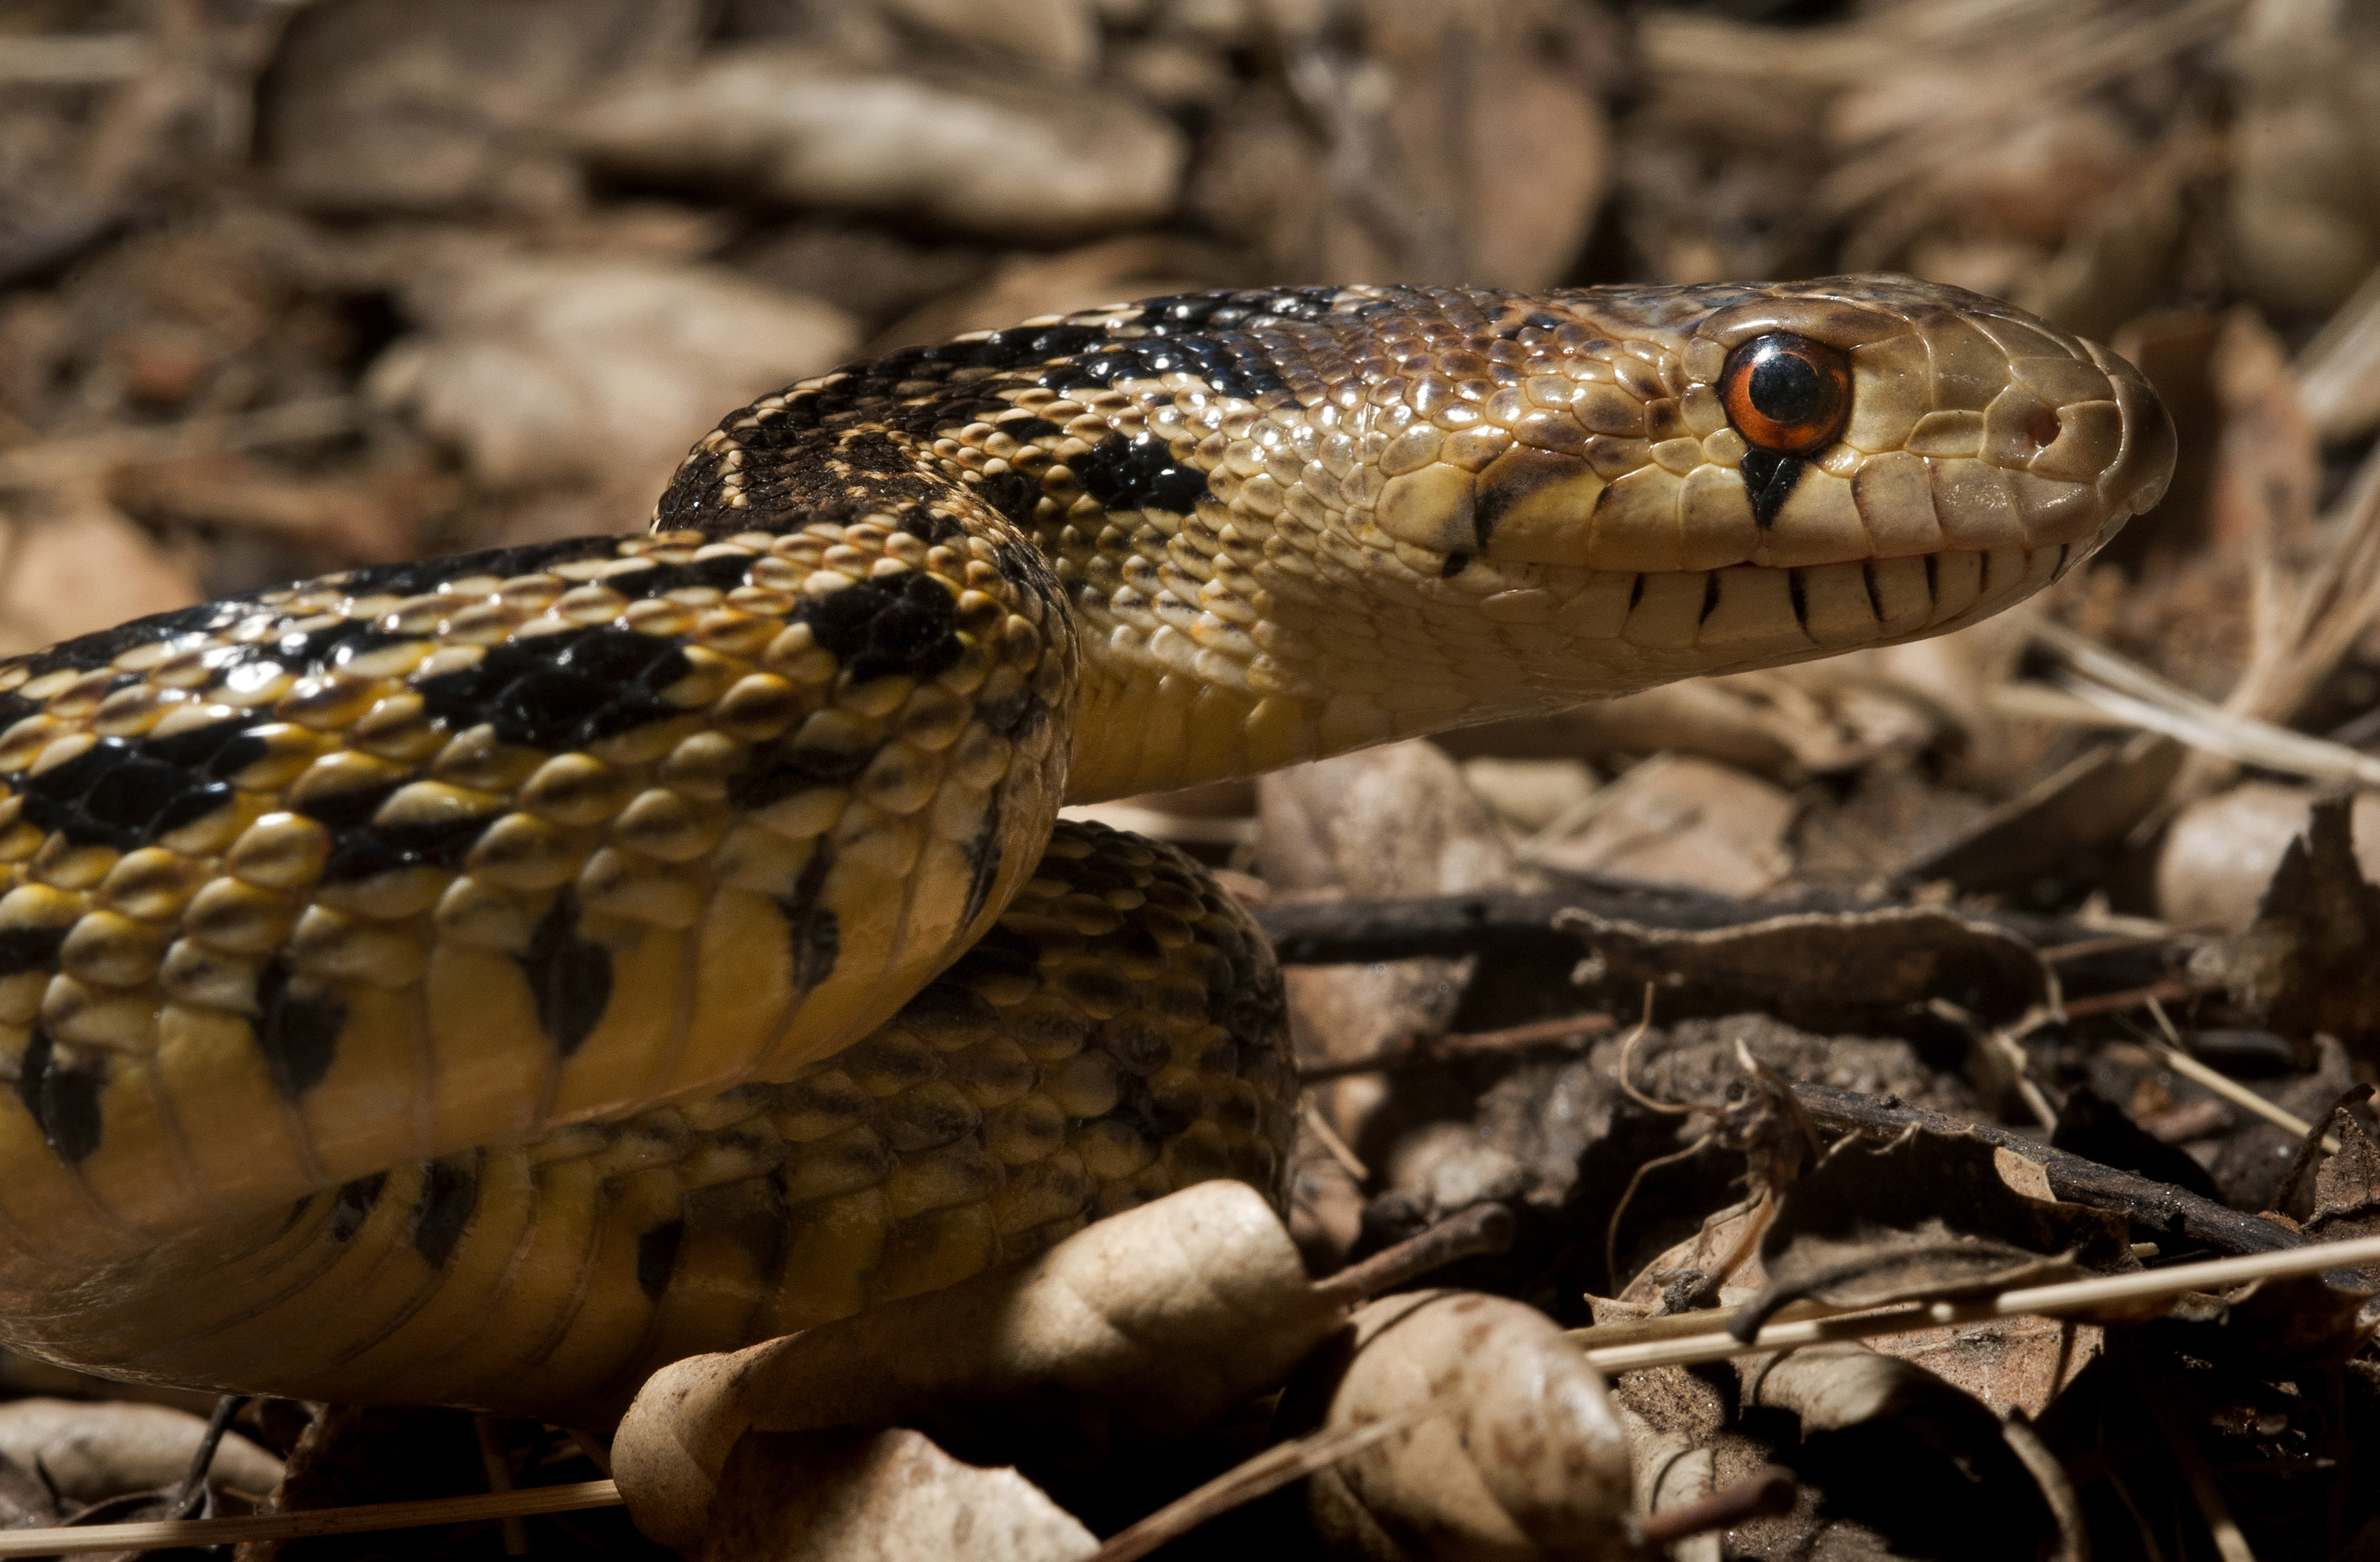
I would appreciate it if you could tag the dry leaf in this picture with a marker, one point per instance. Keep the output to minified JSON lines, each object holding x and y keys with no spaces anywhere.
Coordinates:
{"x":849,"y":1496}
{"x":1840,"y":1387}
{"x":91,"y":1452}
{"x":1525,"y":1456}
{"x":2307,"y":962}
{"x":987,"y":152}
{"x":2008,"y":1363}
{"x":407,"y":105}
{"x":1684,"y":822}
{"x":1530,"y":794}
{"x":79,"y":570}
{"x":1860,"y":972}
{"x":557,"y":368}
{"x":1927,"y":1216}
{"x":1140,"y":1328}
{"x":2092,"y":801}
{"x":1387,"y":822}
{"x":2219,"y":853}
{"x":1671,"y":1469}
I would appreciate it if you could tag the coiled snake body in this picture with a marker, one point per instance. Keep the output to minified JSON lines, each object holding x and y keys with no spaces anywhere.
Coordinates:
{"x":480,"y":981}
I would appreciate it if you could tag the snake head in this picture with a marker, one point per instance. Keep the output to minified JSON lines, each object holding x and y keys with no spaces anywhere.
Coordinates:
{"x":1663,"y":481}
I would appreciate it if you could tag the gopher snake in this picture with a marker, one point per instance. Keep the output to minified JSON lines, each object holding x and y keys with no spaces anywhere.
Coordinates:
{"x":478,"y":981}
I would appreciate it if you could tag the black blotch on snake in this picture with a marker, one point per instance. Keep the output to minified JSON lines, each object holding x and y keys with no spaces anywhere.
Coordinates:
{"x":296,"y":1029}
{"x":353,"y":1205}
{"x":449,"y":1192}
{"x":814,"y":936}
{"x":569,"y":977}
{"x":878,"y":628}
{"x":63,"y":1100}
{"x":1768,"y":480}
{"x":1139,"y":473}
{"x":656,"y":1256}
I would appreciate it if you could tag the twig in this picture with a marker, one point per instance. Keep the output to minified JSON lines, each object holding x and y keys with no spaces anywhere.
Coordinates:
{"x":1628,"y":1197}
{"x":2160,"y":1206}
{"x":2224,"y":1529}
{"x":2010,"y":1051}
{"x":1268,"y":1472}
{"x":1414,"y":1054}
{"x":2124,"y":689}
{"x":1361,"y":932}
{"x":2110,"y":943}
{"x":1628,"y":1058}
{"x":2057,"y":1490}
{"x":2052,"y":1300}
{"x":1486,"y":1227}
{"x":499,"y":1478}
{"x":169,"y":1533}
{"x":2169,"y":1053}
{"x":192,"y":1493}
{"x":1763,"y":1494}
{"x":2108,"y":1002}
{"x":1328,"y":1136}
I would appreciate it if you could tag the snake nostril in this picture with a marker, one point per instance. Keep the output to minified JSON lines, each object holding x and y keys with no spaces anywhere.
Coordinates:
{"x":2041,"y":428}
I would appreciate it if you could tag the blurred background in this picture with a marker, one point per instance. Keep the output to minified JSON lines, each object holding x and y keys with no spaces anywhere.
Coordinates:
{"x":289,"y":287}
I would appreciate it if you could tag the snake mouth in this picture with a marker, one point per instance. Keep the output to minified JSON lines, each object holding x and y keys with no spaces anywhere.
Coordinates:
{"x":1743,"y":616}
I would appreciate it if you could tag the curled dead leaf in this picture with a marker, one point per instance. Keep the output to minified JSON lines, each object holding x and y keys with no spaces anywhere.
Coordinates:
{"x":1139,"y":1329}
{"x":1927,"y":1216}
{"x":1524,"y":1457}
{"x":93,"y":1451}
{"x":886,"y":1496}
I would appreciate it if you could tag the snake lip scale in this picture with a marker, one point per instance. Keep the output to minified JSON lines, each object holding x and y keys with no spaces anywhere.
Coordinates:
{"x":480,"y":981}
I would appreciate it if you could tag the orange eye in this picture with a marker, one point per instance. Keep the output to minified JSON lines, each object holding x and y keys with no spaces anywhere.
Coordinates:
{"x":1786,"y":393}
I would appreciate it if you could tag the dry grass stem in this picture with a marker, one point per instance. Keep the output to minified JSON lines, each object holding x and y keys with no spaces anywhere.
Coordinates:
{"x":1268,"y":1472}
{"x":2230,"y":1544}
{"x":2052,"y":1300}
{"x":1409,"y":1054}
{"x":369,"y":1519}
{"x":1330,"y":1140}
{"x":1486,"y":1227}
{"x":2170,"y":1054}
{"x":2130,"y":693}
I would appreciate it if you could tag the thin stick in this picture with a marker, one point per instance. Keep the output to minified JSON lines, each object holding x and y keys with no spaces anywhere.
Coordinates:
{"x":2108,"y":1002}
{"x":1484,"y":1228}
{"x":1400,"y":1054}
{"x":2215,"y":1275}
{"x":2221,"y":1527}
{"x":186,"y":1500}
{"x":2081,"y":948}
{"x":166,"y":1534}
{"x":1328,"y":1135}
{"x":499,"y":1478}
{"x":2169,"y":1052}
{"x":1628,"y":1057}
{"x":1268,"y":1472}
{"x":1628,"y":1197}
{"x":1761,"y":1495}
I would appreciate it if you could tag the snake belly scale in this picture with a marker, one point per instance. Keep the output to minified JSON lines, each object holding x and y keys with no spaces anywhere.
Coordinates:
{"x":479,"y":981}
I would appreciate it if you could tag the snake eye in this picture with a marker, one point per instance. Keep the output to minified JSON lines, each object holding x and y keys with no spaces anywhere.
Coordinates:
{"x":1786,"y":393}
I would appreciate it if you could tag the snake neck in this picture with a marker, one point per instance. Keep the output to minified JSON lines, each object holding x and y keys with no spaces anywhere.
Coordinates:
{"x":1285,"y":524}
{"x":1212,"y":649}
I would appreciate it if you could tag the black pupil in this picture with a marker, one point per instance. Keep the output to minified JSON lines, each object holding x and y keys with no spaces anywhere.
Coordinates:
{"x":1786,"y":388}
